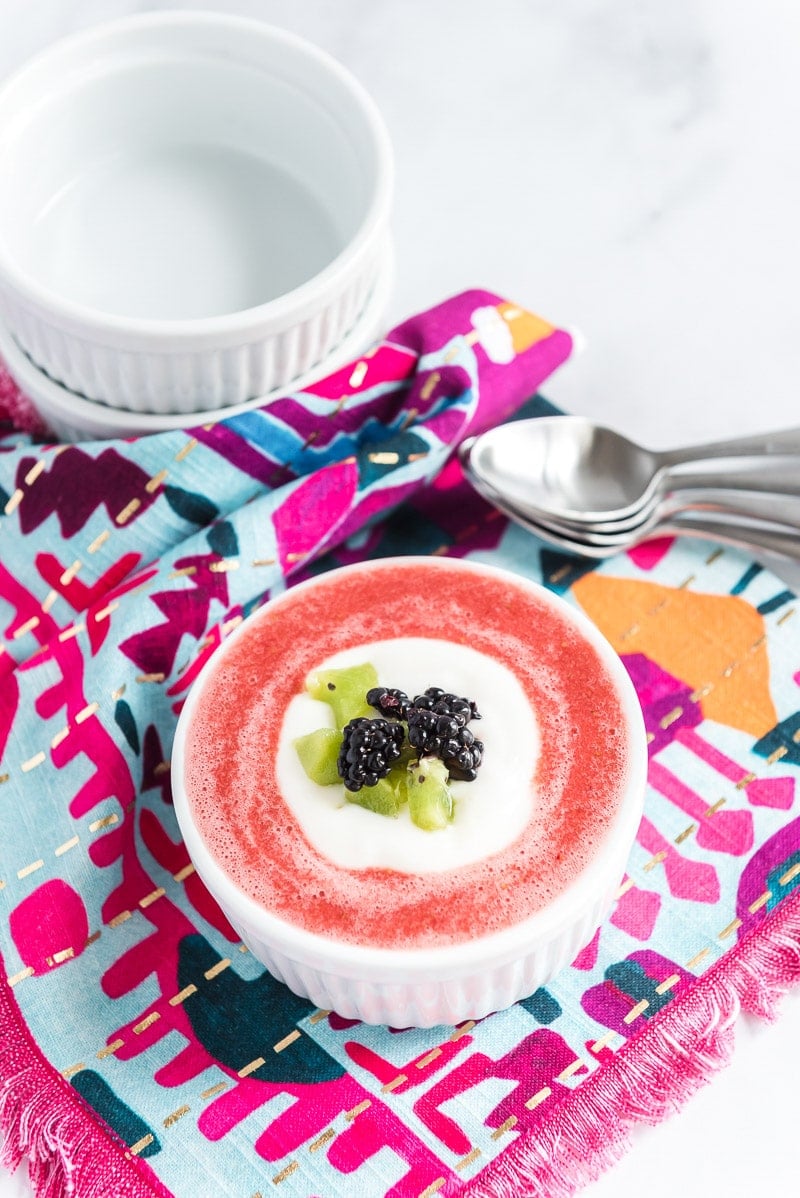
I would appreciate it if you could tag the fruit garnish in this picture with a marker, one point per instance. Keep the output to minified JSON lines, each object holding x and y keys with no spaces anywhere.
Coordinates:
{"x":430,"y":802}
{"x":443,"y":703}
{"x":386,"y":797}
{"x":390,"y":702}
{"x":319,"y":752}
{"x":408,"y":754}
{"x":446,"y":737}
{"x":463,"y":764}
{"x":369,"y":750}
{"x":344,"y":690}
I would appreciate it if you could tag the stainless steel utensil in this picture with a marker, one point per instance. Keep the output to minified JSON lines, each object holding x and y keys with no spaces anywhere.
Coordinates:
{"x":781,"y":540}
{"x":571,"y":469}
{"x":718,"y":504}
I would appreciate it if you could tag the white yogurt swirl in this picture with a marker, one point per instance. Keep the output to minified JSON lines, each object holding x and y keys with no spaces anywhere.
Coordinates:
{"x":490,"y":813}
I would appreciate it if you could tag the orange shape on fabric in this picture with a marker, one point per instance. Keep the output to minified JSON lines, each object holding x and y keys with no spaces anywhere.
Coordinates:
{"x":525,"y":327}
{"x":705,"y":640}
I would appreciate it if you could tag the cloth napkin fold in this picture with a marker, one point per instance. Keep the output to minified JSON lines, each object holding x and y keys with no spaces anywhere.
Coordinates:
{"x":142,"y":1051}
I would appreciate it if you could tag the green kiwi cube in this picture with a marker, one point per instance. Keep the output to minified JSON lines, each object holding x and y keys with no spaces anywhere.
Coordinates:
{"x":345,"y":690}
{"x":319,"y":752}
{"x":384,"y":798}
{"x":430,"y":802}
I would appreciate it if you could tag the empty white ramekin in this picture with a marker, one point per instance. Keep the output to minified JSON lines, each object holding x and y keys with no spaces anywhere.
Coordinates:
{"x":70,"y":417}
{"x":194,"y":210}
{"x":428,"y":986}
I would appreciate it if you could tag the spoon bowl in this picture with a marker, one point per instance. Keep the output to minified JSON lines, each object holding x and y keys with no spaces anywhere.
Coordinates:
{"x":564,"y":465}
{"x":568,"y":468}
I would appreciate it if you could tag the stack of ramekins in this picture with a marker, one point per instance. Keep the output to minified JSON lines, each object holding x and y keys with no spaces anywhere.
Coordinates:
{"x":194,"y":214}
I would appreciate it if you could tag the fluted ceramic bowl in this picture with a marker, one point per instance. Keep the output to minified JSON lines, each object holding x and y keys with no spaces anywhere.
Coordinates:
{"x":71,"y":417}
{"x":194,"y":210}
{"x":458,"y":943}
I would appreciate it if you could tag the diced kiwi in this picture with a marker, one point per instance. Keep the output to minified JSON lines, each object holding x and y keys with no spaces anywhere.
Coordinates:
{"x":386,"y":797}
{"x":430,"y":802}
{"x":345,"y":690}
{"x":318,"y":752}
{"x":408,"y":754}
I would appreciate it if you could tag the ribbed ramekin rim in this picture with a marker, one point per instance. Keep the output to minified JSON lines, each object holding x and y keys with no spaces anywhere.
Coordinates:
{"x":70,"y":410}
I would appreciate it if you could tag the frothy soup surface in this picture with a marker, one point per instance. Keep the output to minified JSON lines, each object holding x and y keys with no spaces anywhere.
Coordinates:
{"x":572,"y":781}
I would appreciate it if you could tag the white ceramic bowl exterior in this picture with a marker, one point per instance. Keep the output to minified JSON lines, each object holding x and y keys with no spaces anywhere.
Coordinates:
{"x":421,"y":990}
{"x":425,"y":987}
{"x":70,"y":417}
{"x":193,"y":210}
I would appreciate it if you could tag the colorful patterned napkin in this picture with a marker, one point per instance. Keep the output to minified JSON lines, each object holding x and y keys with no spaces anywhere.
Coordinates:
{"x":142,"y":1051}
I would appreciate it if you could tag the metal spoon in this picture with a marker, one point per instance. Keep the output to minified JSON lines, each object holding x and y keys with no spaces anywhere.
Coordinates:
{"x":724,"y":487}
{"x":771,"y":484}
{"x":781,"y":540}
{"x":572,"y":469}
{"x":770,"y":508}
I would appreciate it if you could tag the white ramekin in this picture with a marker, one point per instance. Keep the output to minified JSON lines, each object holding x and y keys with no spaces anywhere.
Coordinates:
{"x":70,"y":417}
{"x":425,"y":987}
{"x":140,"y":160}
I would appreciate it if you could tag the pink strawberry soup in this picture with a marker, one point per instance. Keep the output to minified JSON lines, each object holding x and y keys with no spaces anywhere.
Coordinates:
{"x":578,"y":771}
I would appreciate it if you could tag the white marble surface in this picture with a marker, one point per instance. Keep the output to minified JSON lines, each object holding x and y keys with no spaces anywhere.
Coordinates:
{"x":632,"y":168}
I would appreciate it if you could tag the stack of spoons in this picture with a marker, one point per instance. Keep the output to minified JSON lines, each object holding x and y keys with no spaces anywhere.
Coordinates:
{"x":590,"y":491}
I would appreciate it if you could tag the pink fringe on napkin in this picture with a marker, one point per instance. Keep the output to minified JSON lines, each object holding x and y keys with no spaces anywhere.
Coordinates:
{"x":692,"y":1038}
{"x":683,"y":1047}
{"x":16,"y":408}
{"x":42,"y":1118}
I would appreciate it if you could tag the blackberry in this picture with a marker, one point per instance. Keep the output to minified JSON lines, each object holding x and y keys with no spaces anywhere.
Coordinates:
{"x":369,"y":749}
{"x":389,"y":701}
{"x":437,"y":727}
{"x":463,"y":765}
{"x":430,"y":732}
{"x":443,"y":703}
{"x":442,"y":736}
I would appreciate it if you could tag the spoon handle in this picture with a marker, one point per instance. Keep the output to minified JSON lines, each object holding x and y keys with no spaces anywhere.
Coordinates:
{"x":768,"y":506}
{"x":780,"y":474}
{"x":777,"y":539}
{"x":719,"y":502}
{"x":782,"y":441}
